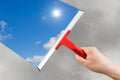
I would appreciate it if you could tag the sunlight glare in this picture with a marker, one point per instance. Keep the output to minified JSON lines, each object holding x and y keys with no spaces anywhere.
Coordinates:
{"x":56,"y":13}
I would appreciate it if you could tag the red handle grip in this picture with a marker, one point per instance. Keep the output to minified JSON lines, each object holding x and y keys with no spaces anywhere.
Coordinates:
{"x":80,"y":52}
{"x":65,"y":41}
{"x":74,"y":48}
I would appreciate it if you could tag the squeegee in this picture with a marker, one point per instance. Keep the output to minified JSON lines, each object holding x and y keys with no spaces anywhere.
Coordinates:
{"x":64,"y":40}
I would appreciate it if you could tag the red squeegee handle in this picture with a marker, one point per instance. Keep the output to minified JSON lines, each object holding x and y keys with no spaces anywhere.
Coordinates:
{"x":81,"y":53}
{"x":69,"y":44}
{"x":78,"y":50}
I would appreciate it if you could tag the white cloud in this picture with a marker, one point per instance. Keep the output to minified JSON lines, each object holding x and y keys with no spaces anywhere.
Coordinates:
{"x":3,"y":34}
{"x":52,"y":41}
{"x":2,"y":25}
{"x":35,"y":59}
{"x":37,"y":42}
{"x":4,"y":37}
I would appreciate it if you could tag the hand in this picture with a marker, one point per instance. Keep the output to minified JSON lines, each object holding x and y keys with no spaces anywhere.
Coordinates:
{"x":97,"y":62}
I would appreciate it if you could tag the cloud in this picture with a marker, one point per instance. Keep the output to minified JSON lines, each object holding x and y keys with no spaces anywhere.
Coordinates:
{"x":4,"y":37}
{"x":3,"y":33}
{"x":35,"y":59}
{"x":2,"y":25}
{"x":37,"y":42}
{"x":52,"y":41}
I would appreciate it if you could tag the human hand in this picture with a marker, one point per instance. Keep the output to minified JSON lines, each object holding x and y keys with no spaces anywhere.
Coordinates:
{"x":96,"y":61}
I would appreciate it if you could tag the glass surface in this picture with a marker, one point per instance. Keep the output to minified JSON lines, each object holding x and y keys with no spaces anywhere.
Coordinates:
{"x":31,"y":27}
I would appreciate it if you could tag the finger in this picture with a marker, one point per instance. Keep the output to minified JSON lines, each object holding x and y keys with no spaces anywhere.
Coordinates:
{"x":85,"y":49}
{"x":80,"y":59}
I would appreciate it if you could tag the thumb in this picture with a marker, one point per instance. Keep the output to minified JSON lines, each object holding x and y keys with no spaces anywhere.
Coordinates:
{"x":80,"y":59}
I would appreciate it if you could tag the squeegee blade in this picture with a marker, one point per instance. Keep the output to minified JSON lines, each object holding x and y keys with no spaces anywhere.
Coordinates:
{"x":46,"y":58}
{"x":53,"y":49}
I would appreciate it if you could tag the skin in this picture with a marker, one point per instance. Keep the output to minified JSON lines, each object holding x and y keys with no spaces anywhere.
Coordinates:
{"x":97,"y":62}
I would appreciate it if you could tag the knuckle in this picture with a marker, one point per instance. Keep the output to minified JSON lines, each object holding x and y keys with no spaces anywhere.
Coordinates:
{"x":92,"y":49}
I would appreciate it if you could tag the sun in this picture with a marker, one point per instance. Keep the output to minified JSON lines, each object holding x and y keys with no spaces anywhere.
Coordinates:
{"x":56,"y":13}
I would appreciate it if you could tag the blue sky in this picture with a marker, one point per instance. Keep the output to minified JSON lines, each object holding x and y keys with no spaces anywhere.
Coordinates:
{"x":27,"y":25}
